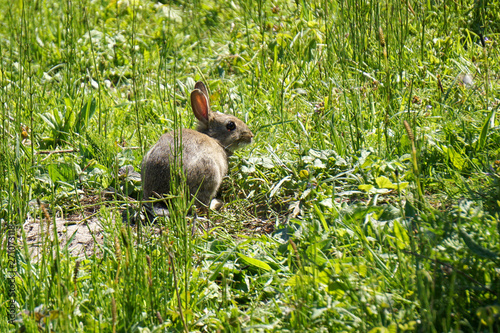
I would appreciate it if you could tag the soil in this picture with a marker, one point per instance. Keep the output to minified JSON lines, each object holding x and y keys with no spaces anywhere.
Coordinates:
{"x":82,"y":236}
{"x":82,"y":233}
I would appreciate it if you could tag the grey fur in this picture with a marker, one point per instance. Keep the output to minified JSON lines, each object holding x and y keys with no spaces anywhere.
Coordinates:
{"x":205,"y":152}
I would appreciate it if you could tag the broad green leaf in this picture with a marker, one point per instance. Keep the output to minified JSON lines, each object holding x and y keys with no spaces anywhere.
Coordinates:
{"x":49,"y":119}
{"x":410,"y":211}
{"x":358,"y":213}
{"x":254,"y":262}
{"x":321,"y":217}
{"x":299,"y":279}
{"x":68,"y":102}
{"x":266,"y":162}
{"x":384,"y":182}
{"x":477,"y":248}
{"x":58,"y":120}
{"x":328,"y":203}
{"x":456,"y":158}
{"x":310,"y":48}
{"x":69,"y":119}
{"x":61,"y":172}
{"x":402,"y":239}
{"x":85,"y":114}
{"x":366,"y":187}
{"x":484,"y":130}
{"x":388,"y":213}
{"x":402,"y":185}
{"x":314,"y":254}
{"x":219,"y":267}
{"x":362,"y":270}
{"x":324,"y":277}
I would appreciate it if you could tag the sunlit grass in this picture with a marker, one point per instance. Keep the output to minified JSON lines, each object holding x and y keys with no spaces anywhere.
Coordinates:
{"x":368,"y":202}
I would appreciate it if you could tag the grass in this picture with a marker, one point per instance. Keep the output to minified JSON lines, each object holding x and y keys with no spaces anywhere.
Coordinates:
{"x":369,"y":201}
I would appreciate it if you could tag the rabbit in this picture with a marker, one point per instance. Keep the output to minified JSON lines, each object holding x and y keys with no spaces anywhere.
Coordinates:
{"x":205,"y":152}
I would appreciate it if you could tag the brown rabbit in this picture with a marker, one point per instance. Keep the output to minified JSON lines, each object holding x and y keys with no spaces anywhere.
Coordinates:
{"x":205,"y":152}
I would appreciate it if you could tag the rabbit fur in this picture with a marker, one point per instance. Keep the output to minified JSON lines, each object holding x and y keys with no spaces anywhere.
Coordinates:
{"x":205,"y":152}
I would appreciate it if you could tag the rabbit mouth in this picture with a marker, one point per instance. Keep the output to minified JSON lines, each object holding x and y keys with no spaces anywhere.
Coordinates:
{"x":242,"y":142}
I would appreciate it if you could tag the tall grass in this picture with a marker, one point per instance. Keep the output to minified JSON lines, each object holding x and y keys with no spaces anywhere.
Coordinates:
{"x":368,"y":202}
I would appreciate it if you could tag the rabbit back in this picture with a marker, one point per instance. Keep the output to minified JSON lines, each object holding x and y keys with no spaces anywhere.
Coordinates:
{"x":204,"y":163}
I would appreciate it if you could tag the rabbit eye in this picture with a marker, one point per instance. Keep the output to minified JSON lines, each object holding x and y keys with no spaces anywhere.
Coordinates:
{"x":231,"y":126}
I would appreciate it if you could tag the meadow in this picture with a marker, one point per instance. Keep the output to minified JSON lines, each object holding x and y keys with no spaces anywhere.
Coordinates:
{"x":369,"y":200}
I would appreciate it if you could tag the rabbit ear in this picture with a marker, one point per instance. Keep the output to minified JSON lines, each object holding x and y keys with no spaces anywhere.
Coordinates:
{"x":199,"y":103}
{"x":201,"y":86}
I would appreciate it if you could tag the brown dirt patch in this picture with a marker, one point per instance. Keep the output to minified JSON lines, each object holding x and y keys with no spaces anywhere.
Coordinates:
{"x":81,"y":236}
